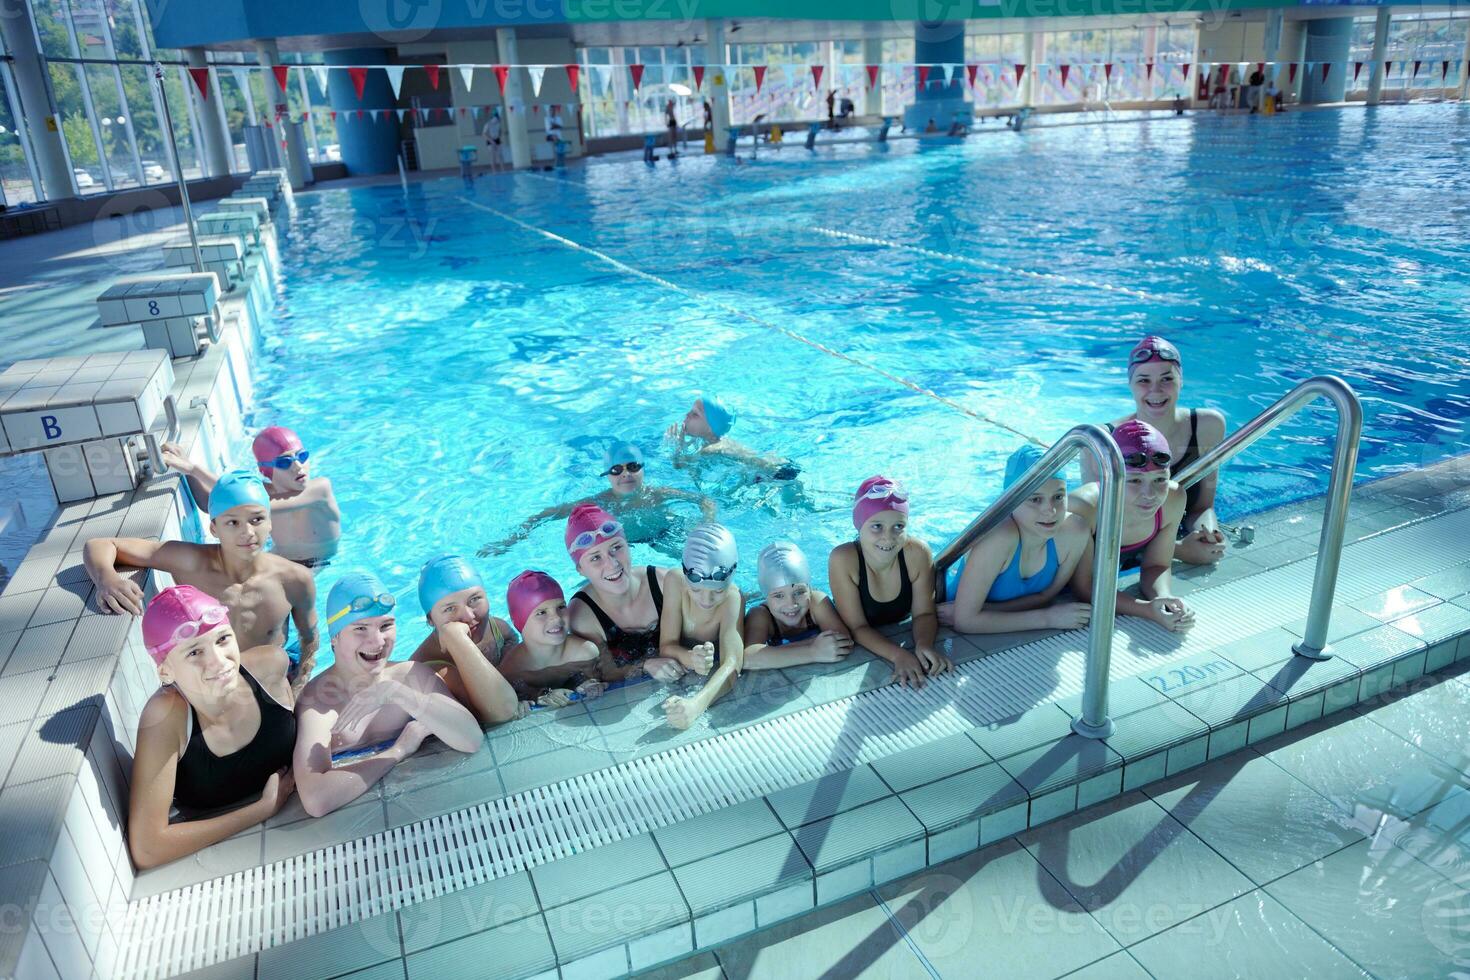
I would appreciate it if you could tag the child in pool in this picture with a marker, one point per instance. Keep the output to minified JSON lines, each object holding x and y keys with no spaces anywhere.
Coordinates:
{"x":701,"y":621}
{"x":550,"y":664}
{"x":705,"y":430}
{"x":468,"y":643}
{"x":795,"y":624}
{"x":991,"y":590}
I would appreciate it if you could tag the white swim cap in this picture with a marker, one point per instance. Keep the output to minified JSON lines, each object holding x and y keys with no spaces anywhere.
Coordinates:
{"x":782,"y":563}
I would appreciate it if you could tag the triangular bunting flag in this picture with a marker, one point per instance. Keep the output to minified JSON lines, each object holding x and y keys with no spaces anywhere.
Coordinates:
{"x":395,"y":78}
{"x":1108,"y":71}
{"x":1357,"y":68}
{"x":1388,"y":67}
{"x":1148,"y":69}
{"x":637,"y":72}
{"x":816,"y":76}
{"x":1444,"y":70}
{"x":1416,"y":68}
{"x":1020,"y":71}
{"x":462,"y":110}
{"x":501,"y":73}
{"x":359,"y":79}
{"x":1326,"y":67}
{"x":1185,"y":67}
{"x":334,"y":115}
{"x":401,"y":114}
{"x":466,"y":75}
{"x":923,"y":71}
{"x":537,"y":72}
{"x":433,"y":72}
{"x":760,"y":76}
{"x":971,"y":69}
{"x":873,"y":75}
{"x":201,"y":79}
{"x":320,"y":71}
{"x":282,"y":73}
{"x":1066,"y":69}
{"x":1291,"y":72}
{"x":572,"y":73}
{"x":698,"y":77}
{"x":603,"y":74}
{"x":359,"y":113}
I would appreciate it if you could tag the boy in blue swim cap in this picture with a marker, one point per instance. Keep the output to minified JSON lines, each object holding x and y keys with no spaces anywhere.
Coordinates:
{"x":366,"y":699}
{"x":704,"y":431}
{"x":1007,"y":580}
{"x":468,"y":643}
{"x":259,"y":589}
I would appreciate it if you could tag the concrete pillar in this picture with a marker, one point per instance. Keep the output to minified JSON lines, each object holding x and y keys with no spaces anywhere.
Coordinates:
{"x":1035,"y":43}
{"x":1464,"y":70}
{"x":41,"y":123}
{"x":1293,"y":49}
{"x":268,"y":53}
{"x":717,"y":86}
{"x":872,"y":97}
{"x":369,"y":146}
{"x":515,"y":120}
{"x":1380,"y":51}
{"x":1328,"y":39}
{"x":213,"y":138}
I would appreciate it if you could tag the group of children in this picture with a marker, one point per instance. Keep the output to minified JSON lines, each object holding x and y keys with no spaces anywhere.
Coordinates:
{"x":238,"y":724}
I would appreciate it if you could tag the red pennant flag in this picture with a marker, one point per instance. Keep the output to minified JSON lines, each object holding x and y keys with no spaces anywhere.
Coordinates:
{"x":1185,"y":66}
{"x":572,"y":74}
{"x":501,"y":74}
{"x":1108,"y":71}
{"x":817,"y":76}
{"x":1357,"y":68}
{"x":1291,"y":72}
{"x":970,"y":70}
{"x":1388,"y":67}
{"x":872,"y":75}
{"x":201,"y":79}
{"x":1416,"y":68}
{"x":334,"y":115}
{"x":359,"y":113}
{"x":1065,"y":70}
{"x":923,"y":75}
{"x":760,"y":75}
{"x":1326,"y":66}
{"x":433,"y":72}
{"x":359,"y":79}
{"x":1148,"y":69}
{"x":1020,"y":70}
{"x":1444,"y":70}
{"x":698,"y":76}
{"x":463,"y":110}
{"x":637,"y":72}
{"x":281,"y":72}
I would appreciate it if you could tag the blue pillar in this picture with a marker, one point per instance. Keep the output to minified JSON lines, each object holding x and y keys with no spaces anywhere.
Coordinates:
{"x":938,"y":44}
{"x":1328,"y":40}
{"x":369,"y":146}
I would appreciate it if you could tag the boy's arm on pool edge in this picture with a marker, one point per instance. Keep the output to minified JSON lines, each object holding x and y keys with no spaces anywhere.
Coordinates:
{"x":323,"y":789}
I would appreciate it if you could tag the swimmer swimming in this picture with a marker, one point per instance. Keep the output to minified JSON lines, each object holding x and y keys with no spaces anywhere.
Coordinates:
{"x":704,"y":432}
{"x":702,"y":618}
{"x":643,"y":510}
{"x":795,"y":624}
{"x":1007,"y":580}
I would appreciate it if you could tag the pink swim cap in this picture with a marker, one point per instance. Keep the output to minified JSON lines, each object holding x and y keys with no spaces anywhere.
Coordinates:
{"x":877,"y":494}
{"x":1152,"y":348}
{"x":588,"y":525}
{"x":274,"y":441}
{"x":527,"y":591}
{"x":179,"y":613}
{"x":1143,"y":446}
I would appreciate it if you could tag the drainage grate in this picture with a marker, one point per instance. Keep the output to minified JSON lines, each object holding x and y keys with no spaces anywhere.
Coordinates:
{"x":308,"y":894}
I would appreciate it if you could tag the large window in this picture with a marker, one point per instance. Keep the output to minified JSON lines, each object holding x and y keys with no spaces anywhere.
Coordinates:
{"x":17,"y":181}
{"x":610,"y":105}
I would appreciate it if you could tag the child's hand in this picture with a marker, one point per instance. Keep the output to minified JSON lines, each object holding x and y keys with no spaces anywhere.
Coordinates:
{"x":591,"y":689}
{"x":555,"y":698}
{"x":680,"y":712}
{"x":663,"y":669}
{"x":702,"y":659}
{"x":829,"y":646}
{"x":933,"y":662}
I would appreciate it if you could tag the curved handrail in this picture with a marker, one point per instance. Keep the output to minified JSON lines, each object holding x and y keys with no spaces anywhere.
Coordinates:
{"x":153,"y":464}
{"x":1093,"y":722}
{"x":1339,"y":489}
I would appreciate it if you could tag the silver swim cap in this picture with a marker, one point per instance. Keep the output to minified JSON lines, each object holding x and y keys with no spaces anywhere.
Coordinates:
{"x":709,"y":556}
{"x":782,"y":563}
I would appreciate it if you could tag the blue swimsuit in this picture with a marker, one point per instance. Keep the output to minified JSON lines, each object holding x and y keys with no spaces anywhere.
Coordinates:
{"x":1008,"y":584}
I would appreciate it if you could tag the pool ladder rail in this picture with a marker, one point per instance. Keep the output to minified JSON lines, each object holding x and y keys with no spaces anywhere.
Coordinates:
{"x":1093,"y":721}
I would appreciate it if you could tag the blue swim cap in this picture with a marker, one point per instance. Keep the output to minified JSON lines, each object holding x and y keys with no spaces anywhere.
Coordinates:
{"x":717,"y":415}
{"x":354,"y":589}
{"x":445,"y":574}
{"x":1022,"y":460}
{"x":621,"y":451}
{"x":236,"y":489}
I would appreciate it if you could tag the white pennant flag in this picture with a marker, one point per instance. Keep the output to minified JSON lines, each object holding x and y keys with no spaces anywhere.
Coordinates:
{"x":956,"y":73}
{"x":603,"y":74}
{"x":395,"y":77}
{"x":401,"y":114}
{"x":536,"y":72}
{"x":467,"y":72}
{"x":320,"y":71}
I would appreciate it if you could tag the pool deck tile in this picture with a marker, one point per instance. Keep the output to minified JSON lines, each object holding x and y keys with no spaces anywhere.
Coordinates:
{"x":1039,"y":726}
{"x":965,"y":796}
{"x":716,"y":832}
{"x":610,"y":918}
{"x":740,"y":874}
{"x":857,"y":833}
{"x":606,"y":866}
{"x":467,"y":911}
{"x":930,"y":762}
{"x":827,"y":796}
{"x":506,"y":952}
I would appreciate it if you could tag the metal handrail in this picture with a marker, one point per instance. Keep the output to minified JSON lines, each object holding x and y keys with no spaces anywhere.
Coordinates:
{"x":1339,"y":489}
{"x":1093,"y":722}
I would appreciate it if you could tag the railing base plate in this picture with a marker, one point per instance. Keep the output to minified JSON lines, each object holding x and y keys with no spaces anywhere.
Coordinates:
{"x":1086,"y":730}
{"x":1311,"y":653}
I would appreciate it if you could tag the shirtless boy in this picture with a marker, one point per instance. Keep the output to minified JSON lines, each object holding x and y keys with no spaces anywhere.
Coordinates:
{"x":701,"y":621}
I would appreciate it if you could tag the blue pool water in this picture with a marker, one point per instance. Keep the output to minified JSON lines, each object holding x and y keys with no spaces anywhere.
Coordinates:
{"x":457,"y":360}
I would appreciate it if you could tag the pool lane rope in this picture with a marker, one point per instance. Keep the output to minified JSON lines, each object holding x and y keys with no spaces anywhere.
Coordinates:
{"x":735,"y":311}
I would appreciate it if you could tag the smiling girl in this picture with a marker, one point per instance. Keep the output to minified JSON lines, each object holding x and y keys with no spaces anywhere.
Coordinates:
{"x":550,"y":664}
{"x":795,"y":624}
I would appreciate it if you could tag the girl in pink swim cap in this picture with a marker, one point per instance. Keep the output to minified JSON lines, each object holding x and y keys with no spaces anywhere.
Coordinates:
{"x":214,"y":742}
{"x":1156,"y":378}
{"x":886,"y":560}
{"x":551,"y":663}
{"x":1152,"y":505}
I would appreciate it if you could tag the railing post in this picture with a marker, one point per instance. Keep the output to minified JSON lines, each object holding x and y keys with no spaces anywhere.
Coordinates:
{"x":1094,"y":722}
{"x":1334,"y":518}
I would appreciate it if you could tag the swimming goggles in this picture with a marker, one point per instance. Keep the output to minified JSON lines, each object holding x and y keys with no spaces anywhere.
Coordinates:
{"x":1143,"y":355}
{"x":209,"y":618}
{"x":886,"y":491}
{"x":720,"y":574}
{"x":617,"y":469}
{"x":1137,"y":461}
{"x":284,"y":462}
{"x":363,"y":603}
{"x":587,"y":539}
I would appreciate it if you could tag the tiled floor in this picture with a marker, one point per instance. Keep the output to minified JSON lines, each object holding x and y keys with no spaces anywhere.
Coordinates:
{"x":1337,"y":850}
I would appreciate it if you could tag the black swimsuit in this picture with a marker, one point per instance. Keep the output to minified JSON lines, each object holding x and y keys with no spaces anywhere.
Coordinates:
{"x":895,"y":610}
{"x":1190,"y":454}
{"x":629,"y":647}
{"x":204,"y":781}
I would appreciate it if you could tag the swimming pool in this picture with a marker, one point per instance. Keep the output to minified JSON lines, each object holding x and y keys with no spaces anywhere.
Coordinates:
{"x":458,"y":360}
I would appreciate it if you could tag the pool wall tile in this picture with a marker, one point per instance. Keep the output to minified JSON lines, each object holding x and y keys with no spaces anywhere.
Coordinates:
{"x":1267,"y":724}
{"x":611,"y":962}
{"x":1002,"y":824}
{"x":660,"y":947}
{"x":717,"y":928}
{"x":844,"y":881}
{"x":742,"y":873}
{"x":953,"y":842}
{"x":783,"y":904}
{"x":1228,"y":738}
{"x":896,"y":862}
{"x":1146,"y":770}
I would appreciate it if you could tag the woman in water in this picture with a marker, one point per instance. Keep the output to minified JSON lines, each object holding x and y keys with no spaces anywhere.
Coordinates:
{"x":1152,"y":504}
{"x":1156,"y":376}
{"x":619,"y":609}
{"x":1009,"y":577}
{"x":795,"y":624}
{"x":550,"y":664}
{"x":215,"y":740}
{"x":885,"y":559}
{"x":702,"y":619}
